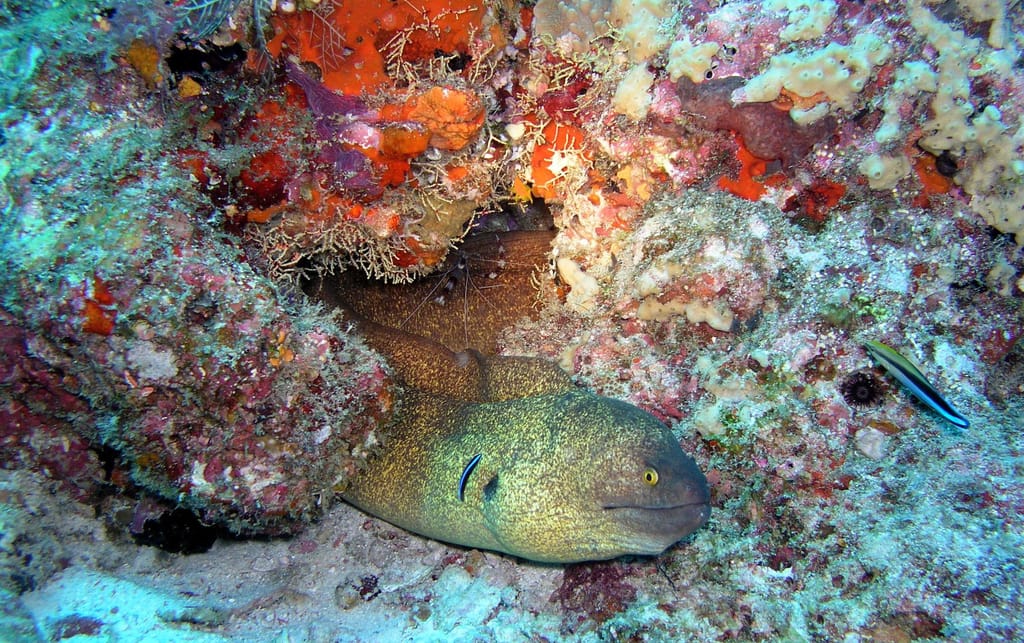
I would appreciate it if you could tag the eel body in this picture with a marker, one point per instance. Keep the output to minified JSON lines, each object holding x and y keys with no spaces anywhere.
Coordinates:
{"x":505,"y":453}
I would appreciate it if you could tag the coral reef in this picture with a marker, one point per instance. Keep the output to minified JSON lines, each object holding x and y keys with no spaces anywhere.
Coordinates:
{"x":740,"y":193}
{"x":130,"y":329}
{"x":357,"y":200}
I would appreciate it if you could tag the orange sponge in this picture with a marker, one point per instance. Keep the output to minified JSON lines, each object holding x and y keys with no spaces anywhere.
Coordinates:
{"x":752,"y":182}
{"x":544,"y":165}
{"x":348,"y":39}
{"x":453,"y":117}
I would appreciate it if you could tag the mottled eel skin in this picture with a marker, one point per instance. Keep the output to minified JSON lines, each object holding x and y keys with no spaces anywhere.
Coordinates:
{"x":562,"y":476}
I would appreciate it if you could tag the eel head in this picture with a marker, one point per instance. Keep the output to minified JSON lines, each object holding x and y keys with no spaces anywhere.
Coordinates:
{"x":601,"y":479}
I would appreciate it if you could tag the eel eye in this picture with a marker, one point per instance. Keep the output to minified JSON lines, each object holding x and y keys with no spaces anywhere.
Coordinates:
{"x":651,"y":476}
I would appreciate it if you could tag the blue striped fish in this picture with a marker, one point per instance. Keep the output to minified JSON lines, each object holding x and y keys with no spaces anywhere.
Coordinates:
{"x":475,"y":460}
{"x":908,"y":375}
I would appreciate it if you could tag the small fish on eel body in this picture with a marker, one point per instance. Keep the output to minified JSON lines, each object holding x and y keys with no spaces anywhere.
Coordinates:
{"x":506,"y":453}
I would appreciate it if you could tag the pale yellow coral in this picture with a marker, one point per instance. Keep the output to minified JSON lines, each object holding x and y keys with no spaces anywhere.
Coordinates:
{"x":839,"y":72}
{"x":884,"y":172}
{"x":632,"y":96}
{"x":690,"y":60}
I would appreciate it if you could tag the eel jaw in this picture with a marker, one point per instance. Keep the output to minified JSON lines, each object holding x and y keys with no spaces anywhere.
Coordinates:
{"x":653,"y":529}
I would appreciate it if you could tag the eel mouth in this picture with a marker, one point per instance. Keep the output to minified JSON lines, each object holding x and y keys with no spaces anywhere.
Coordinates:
{"x":669,"y":522}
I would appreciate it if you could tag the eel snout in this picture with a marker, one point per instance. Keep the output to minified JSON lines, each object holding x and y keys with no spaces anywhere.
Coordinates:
{"x":665,"y":524}
{"x":652,"y":530}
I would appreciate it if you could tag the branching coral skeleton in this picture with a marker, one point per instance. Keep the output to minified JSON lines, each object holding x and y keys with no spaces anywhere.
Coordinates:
{"x":434,"y":68}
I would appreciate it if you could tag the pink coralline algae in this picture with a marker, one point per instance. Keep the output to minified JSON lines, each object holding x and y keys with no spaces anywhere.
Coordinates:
{"x":247,"y":419}
{"x":208,"y":388}
{"x":594,"y":593}
{"x":38,"y":415}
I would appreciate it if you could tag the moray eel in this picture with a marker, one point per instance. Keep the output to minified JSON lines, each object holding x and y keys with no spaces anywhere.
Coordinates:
{"x":505,"y":453}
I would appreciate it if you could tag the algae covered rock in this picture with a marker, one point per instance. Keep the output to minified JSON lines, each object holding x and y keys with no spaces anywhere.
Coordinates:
{"x":140,"y":349}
